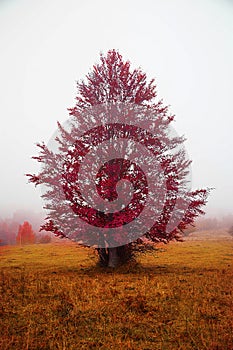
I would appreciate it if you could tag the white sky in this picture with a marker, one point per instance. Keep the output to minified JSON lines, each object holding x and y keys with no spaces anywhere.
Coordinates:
{"x":47,"y":45}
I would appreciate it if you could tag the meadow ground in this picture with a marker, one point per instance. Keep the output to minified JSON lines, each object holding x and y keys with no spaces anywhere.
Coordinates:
{"x":53,"y":296}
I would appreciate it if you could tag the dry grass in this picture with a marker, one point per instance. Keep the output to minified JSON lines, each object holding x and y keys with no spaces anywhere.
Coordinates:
{"x":55,"y":297}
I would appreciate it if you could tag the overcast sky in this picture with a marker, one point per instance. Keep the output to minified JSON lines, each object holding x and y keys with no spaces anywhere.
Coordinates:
{"x":47,"y":45}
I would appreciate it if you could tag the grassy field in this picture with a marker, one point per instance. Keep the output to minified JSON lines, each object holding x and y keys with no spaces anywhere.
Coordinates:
{"x":53,"y":296}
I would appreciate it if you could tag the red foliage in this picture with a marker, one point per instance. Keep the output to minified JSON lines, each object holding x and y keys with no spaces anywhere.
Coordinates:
{"x":25,"y":234}
{"x":113,"y":81}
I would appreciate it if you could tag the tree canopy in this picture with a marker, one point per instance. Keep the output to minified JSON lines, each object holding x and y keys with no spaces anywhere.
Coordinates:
{"x":122,"y":132}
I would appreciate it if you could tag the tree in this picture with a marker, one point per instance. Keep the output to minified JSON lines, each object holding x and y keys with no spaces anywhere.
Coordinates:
{"x":25,"y":234}
{"x":116,"y":106}
{"x":4,"y":233}
{"x":8,"y":229}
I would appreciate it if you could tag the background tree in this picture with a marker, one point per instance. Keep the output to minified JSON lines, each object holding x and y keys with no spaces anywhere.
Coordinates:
{"x":112,"y":81}
{"x":43,"y":239}
{"x":25,"y":234}
{"x":8,"y":230}
{"x":4,"y":232}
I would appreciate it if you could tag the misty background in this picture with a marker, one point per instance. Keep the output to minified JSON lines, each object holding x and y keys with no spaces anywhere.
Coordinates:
{"x":46,"y":46}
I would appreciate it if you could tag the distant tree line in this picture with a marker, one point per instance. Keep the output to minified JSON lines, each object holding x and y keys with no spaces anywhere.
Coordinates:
{"x":12,"y":233}
{"x":214,"y":223}
{"x":211,"y":223}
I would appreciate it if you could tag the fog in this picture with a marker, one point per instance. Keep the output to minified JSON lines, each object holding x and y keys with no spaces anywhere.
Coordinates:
{"x":46,"y":46}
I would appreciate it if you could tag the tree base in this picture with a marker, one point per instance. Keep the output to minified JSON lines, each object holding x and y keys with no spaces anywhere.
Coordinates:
{"x":114,"y":257}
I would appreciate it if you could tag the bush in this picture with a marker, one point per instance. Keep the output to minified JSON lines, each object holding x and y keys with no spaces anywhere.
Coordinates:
{"x":44,"y":239}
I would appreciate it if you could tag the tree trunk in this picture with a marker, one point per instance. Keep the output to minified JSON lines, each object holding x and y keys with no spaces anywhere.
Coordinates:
{"x":113,"y":257}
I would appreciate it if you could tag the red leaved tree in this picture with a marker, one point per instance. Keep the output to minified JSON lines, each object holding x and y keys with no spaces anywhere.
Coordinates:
{"x":25,"y":234}
{"x":117,"y":106}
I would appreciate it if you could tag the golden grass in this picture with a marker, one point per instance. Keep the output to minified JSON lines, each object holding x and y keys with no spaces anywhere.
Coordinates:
{"x":53,"y":296}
